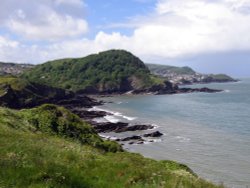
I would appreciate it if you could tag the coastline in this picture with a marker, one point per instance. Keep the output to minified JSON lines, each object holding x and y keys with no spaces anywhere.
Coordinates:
{"x":207,"y":160}
{"x":106,"y":121}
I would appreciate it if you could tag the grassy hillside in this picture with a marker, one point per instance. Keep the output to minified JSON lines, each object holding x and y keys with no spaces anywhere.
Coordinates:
{"x":186,"y":75}
{"x":218,"y":78}
{"x":110,"y":71}
{"x":50,"y":147}
{"x":16,"y":93}
{"x":167,"y":69}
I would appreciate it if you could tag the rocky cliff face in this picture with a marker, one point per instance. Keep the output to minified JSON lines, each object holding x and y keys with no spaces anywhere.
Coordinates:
{"x":33,"y":94}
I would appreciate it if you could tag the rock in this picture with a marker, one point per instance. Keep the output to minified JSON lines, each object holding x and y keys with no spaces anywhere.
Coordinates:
{"x":135,"y":128}
{"x":131,"y":138}
{"x":78,"y":101}
{"x":118,"y":127}
{"x":89,"y":114}
{"x":204,"y":89}
{"x":108,"y":126}
{"x":140,"y":143}
{"x":153,"y":134}
{"x":208,"y":90}
{"x":131,"y":143}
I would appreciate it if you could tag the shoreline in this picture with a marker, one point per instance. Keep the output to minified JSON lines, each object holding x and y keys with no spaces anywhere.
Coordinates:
{"x":145,"y":133}
{"x":105,"y":121}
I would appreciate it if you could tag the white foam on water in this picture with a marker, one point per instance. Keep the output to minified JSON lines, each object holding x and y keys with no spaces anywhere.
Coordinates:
{"x":182,"y":139}
{"x":108,"y":137}
{"x":155,"y":126}
{"x":111,"y":119}
{"x":100,"y":120}
{"x":129,"y":118}
{"x":117,"y":114}
{"x":151,"y":140}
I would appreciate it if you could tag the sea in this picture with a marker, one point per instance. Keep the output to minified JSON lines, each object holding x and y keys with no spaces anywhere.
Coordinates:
{"x":209,"y":132}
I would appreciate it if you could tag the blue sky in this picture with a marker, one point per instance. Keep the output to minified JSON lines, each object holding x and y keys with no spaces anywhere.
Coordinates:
{"x":211,"y":36}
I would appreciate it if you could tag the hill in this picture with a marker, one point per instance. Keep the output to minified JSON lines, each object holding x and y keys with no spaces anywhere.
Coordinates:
{"x":165,"y":70}
{"x":13,"y":68}
{"x":186,"y":75}
{"x":19,"y":93}
{"x":48,"y":146}
{"x":107,"y":72}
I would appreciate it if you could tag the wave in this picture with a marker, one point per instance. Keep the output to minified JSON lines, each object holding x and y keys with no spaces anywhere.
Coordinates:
{"x":182,"y":139}
{"x":150,"y":141}
{"x":111,"y":119}
{"x":108,"y":137}
{"x":114,"y":115}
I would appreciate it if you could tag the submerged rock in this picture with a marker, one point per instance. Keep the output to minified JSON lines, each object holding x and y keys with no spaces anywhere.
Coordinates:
{"x":132,"y":138}
{"x":135,"y":128}
{"x":108,"y":126}
{"x":153,"y":134}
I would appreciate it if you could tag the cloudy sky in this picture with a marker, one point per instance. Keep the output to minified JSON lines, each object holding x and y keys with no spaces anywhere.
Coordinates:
{"x":208,"y":35}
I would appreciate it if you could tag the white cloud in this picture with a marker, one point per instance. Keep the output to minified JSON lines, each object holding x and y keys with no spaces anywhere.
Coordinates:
{"x":182,"y":28}
{"x":55,"y":26}
{"x":177,"y":28}
{"x":44,"y":19}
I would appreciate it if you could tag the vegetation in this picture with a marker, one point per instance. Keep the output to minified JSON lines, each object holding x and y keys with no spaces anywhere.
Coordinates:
{"x":17,"y":92}
{"x":50,"y":147}
{"x":178,"y":73}
{"x":110,"y":71}
{"x":219,"y":77}
{"x":166,"y":69}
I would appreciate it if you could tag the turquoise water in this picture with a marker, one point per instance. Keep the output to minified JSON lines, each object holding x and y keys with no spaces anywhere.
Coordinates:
{"x":208,"y":132}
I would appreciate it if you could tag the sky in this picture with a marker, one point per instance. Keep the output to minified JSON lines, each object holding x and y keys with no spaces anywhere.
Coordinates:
{"x":211,"y":36}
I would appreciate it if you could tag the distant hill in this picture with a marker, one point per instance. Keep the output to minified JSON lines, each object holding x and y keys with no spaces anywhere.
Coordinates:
{"x":13,"y":68}
{"x":107,"y":72}
{"x":186,"y":75}
{"x":165,"y":70}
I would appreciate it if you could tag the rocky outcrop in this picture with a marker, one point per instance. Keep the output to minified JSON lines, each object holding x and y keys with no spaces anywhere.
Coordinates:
{"x":90,"y":114}
{"x":139,"y":138}
{"x":135,"y":128}
{"x":153,"y":134}
{"x":32,"y":95}
{"x":192,"y":90}
{"x":108,"y":126}
{"x":118,"y":127}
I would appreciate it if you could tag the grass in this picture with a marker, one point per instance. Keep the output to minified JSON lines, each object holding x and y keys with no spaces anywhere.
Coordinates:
{"x":31,"y":156}
{"x":15,"y":83}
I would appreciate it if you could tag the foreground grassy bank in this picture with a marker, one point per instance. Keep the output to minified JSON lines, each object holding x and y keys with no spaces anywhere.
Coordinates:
{"x":51,"y":147}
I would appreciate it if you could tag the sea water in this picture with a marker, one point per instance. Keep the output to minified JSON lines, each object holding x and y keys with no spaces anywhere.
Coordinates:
{"x":210,"y":132}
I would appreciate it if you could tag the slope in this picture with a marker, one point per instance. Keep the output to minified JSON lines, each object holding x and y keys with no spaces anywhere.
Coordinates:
{"x":57,"y":149}
{"x":107,"y":72}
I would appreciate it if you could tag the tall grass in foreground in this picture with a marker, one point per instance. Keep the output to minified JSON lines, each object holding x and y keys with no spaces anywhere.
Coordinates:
{"x":31,"y":158}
